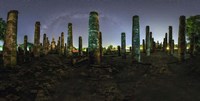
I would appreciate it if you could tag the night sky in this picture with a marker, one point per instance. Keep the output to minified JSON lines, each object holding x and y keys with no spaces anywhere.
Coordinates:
{"x":115,"y":17}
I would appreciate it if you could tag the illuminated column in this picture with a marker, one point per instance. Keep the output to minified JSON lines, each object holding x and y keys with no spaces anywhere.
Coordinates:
{"x":136,"y":39}
{"x":62,"y":43}
{"x":70,"y":40}
{"x":181,"y":39}
{"x":148,"y":41}
{"x":80,"y":46}
{"x":10,"y":40}
{"x":36,"y":50}
{"x":93,"y":41}
{"x":170,"y":40}
{"x":123,"y":45}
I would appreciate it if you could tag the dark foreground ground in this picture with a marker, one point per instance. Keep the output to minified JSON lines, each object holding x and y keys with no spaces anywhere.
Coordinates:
{"x":159,"y":77}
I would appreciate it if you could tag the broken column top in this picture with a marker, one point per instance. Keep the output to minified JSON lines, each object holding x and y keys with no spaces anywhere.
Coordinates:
{"x":136,"y":16}
{"x":37,"y":23}
{"x":94,"y":13}
{"x":182,"y":17}
{"x":69,"y":24}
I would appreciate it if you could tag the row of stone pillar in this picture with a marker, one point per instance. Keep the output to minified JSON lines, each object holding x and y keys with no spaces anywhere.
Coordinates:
{"x":94,"y":41}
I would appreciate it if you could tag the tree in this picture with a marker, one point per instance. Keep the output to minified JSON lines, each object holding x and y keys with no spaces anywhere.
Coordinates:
{"x":2,"y":28}
{"x":193,"y":30}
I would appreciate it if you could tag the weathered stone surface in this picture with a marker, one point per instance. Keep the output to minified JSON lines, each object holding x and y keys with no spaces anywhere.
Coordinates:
{"x":70,"y":41}
{"x":93,"y":41}
{"x":10,"y":40}
{"x":36,"y":47}
{"x":148,"y":47}
{"x":181,"y":39}
{"x":136,"y":39}
{"x":123,"y":45}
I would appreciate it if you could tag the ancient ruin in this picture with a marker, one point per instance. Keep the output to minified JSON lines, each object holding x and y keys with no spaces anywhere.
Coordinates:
{"x":93,"y":41}
{"x":123,"y":45}
{"x":148,"y":42}
{"x":136,"y":39}
{"x":80,"y":46}
{"x":170,"y":41}
{"x":70,"y":41}
{"x":10,"y":40}
{"x":36,"y":47}
{"x":181,"y":39}
{"x":62,"y":46}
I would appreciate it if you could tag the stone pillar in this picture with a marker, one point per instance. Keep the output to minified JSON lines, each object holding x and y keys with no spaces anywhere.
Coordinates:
{"x":181,"y":39}
{"x":100,"y":45}
{"x":48,"y":45}
{"x":118,"y":50}
{"x":65,"y":50}
{"x":36,"y":50}
{"x":151,"y":42}
{"x":25,"y":44}
{"x":93,"y":41}
{"x":70,"y":40}
{"x":148,"y":47}
{"x":80,"y":46}
{"x":170,"y":40}
{"x":153,"y":45}
{"x":53,"y":45}
{"x":172,"y":46}
{"x":143,"y":46}
{"x":130,"y":49}
{"x":58,"y":46}
{"x":44,"y":44}
{"x":136,"y":39}
{"x":166,"y":43}
{"x":62,"y":43}
{"x":10,"y":40}
{"x":123,"y":45}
